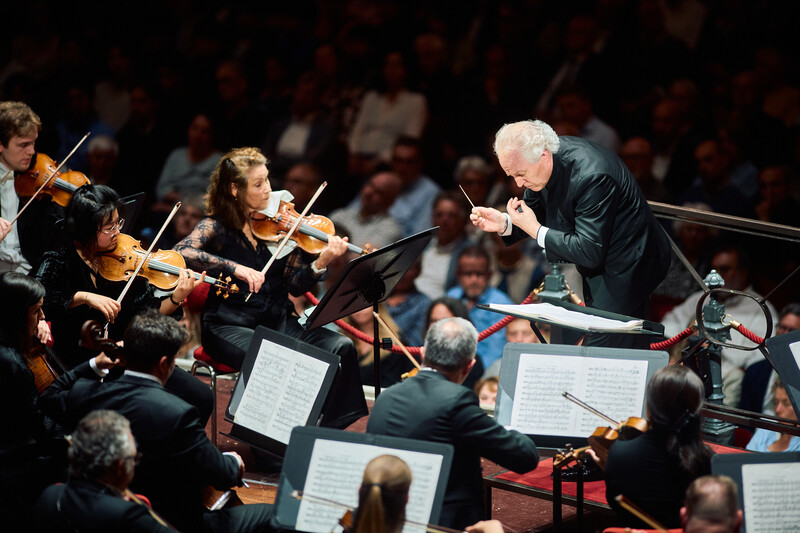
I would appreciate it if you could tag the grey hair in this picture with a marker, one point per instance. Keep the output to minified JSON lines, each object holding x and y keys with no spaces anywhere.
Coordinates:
{"x":100,"y":440}
{"x":472,"y":162}
{"x":450,"y":343}
{"x":529,"y":137}
{"x":103,"y":142}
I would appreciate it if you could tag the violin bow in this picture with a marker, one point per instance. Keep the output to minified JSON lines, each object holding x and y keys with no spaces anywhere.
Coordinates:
{"x":290,"y":233}
{"x":581,"y":403}
{"x":636,"y":511}
{"x":147,"y":255}
{"x":400,"y":344}
{"x":53,"y":175}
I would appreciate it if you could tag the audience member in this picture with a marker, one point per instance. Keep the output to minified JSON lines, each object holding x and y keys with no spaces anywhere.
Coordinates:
{"x":515,"y":270}
{"x":302,"y":180}
{"x":765,"y":440}
{"x":79,"y":118}
{"x":433,"y":406}
{"x":306,"y":134}
{"x":409,"y":307}
{"x":673,"y":149}
{"x":671,"y":450}
{"x":101,"y":158}
{"x":637,"y":154}
{"x":760,"y":378}
{"x":518,"y":330}
{"x":475,"y":176}
{"x":370,"y":222}
{"x":733,"y":265}
{"x":715,"y":187}
{"x":413,"y":208}
{"x":102,"y":457}
{"x":776,"y":201}
{"x":188,"y":168}
{"x":486,"y":390}
{"x":711,"y":506}
{"x":473,"y":288}
{"x":384,"y":116}
{"x":237,"y":121}
{"x":576,"y":108}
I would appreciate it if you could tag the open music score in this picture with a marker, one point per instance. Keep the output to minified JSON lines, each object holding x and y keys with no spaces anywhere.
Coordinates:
{"x":540,"y":409}
{"x":771,"y":495}
{"x":336,"y":469}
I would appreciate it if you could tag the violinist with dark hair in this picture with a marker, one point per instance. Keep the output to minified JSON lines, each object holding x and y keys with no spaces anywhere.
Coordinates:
{"x":655,"y":469}
{"x":225,"y":242}
{"x":78,"y":292}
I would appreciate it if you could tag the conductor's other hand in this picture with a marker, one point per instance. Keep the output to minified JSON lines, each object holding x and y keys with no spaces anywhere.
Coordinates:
{"x":488,"y":219}
{"x":253,"y":278}
{"x":523,"y":217}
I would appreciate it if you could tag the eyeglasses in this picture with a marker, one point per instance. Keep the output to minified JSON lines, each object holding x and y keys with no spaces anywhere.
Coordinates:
{"x":114,"y":227}
{"x":135,"y":458}
{"x":474,"y":273}
{"x":782,"y":328}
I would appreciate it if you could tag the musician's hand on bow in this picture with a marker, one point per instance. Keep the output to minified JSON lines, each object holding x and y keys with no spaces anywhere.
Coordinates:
{"x":186,"y":284}
{"x":523,"y":217}
{"x":253,"y":278}
{"x":488,"y":219}
{"x":104,"y":362}
{"x":108,"y":306}
{"x":5,"y":228}
{"x":337,"y":247}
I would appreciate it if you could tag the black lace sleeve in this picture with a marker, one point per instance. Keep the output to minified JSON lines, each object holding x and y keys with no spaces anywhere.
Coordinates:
{"x":196,"y":248}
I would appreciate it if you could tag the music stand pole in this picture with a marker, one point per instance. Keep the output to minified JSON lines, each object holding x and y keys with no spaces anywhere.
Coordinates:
{"x":376,"y":347}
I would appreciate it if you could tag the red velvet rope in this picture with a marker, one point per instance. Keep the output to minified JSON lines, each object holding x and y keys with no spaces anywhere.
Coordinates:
{"x":749,"y":334}
{"x":674,"y":340}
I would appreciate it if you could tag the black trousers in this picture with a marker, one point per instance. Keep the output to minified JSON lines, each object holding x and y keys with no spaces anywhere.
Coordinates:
{"x":228,"y":344}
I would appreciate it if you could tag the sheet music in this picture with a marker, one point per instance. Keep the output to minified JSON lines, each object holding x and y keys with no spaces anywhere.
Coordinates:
{"x":559,"y":315}
{"x":335,"y":472}
{"x":614,"y":387}
{"x":771,"y":497}
{"x":281,"y":391}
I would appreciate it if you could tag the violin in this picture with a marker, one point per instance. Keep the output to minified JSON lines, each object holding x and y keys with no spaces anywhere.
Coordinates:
{"x":60,"y":188}
{"x":603,"y":437}
{"x":162,"y":267}
{"x":311,"y":235}
{"x":42,"y":361}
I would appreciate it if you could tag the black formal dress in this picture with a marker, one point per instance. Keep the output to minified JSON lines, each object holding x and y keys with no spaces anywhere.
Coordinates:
{"x":63,"y":273}
{"x":598,"y":219}
{"x":429,"y":407}
{"x":32,"y":455}
{"x":228,"y":323}
{"x":90,"y":507}
{"x":641,"y":469}
{"x":178,"y":459}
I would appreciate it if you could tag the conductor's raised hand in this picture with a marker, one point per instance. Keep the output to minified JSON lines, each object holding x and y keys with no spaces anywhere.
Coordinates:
{"x":523,"y":217}
{"x":337,"y":247}
{"x":488,"y":219}
{"x":253,"y":278}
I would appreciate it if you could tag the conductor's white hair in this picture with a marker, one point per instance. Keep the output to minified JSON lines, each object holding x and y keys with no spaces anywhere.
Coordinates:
{"x":529,"y":137}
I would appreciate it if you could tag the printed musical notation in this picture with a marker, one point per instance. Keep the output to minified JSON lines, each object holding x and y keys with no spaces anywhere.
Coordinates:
{"x":281,"y":391}
{"x":771,"y":494}
{"x":614,"y":387}
{"x":335,"y":473}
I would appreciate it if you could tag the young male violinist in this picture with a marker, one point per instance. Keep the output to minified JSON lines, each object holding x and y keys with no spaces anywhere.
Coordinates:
{"x":19,"y":129}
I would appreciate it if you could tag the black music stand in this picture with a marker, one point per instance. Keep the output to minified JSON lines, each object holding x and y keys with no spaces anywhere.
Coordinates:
{"x":368,"y":280}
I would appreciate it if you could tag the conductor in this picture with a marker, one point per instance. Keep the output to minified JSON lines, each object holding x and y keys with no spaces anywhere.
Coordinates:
{"x":583,"y":206}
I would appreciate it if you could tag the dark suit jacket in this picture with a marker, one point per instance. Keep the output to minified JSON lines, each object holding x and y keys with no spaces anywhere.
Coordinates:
{"x":754,"y":386}
{"x":178,"y":459}
{"x":90,"y":507}
{"x":429,"y":407}
{"x":599,"y":220}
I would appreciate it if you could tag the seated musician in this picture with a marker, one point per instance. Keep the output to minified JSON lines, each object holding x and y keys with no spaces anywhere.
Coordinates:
{"x":102,"y":459}
{"x":382,"y":500}
{"x":764,"y":440}
{"x":433,"y":406}
{"x":29,"y":443}
{"x":224,"y":242}
{"x":712,"y":506}
{"x":655,"y":468}
{"x":178,"y":459}
{"x":77,"y":290}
